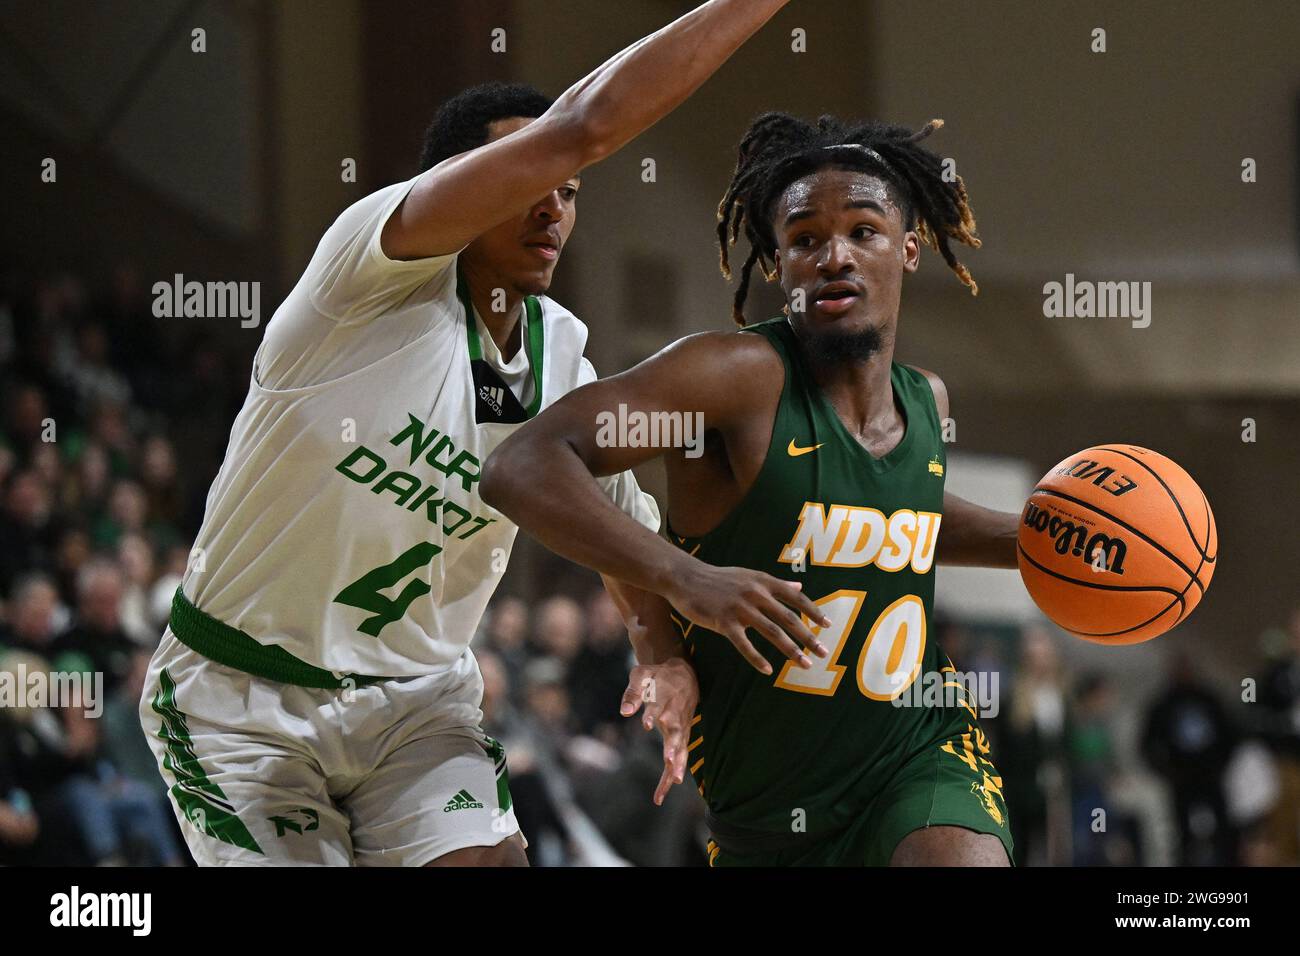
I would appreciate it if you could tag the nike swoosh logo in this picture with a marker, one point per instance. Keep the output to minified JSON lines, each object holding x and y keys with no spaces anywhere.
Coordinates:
{"x":795,"y":451}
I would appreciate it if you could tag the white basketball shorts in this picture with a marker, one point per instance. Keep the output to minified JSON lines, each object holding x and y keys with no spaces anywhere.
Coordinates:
{"x":262,"y":773}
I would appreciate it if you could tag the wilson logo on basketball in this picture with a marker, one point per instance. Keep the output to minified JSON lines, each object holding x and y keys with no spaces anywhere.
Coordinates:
{"x":1088,"y":470}
{"x":1070,"y":538}
{"x":1087,"y":522}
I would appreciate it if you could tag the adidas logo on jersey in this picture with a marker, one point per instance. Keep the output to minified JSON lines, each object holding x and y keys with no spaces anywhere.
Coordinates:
{"x":494,"y":396}
{"x":462,"y":801}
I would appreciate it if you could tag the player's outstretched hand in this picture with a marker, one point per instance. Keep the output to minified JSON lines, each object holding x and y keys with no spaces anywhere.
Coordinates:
{"x":670,"y":694}
{"x":729,"y":600}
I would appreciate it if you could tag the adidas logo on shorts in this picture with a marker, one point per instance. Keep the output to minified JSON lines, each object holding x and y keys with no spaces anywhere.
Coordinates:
{"x":462,"y":801}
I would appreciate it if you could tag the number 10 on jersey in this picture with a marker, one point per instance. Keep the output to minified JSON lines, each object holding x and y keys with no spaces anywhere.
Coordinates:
{"x":891,"y":654}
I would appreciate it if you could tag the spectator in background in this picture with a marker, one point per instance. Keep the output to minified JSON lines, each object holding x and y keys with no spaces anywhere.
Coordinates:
{"x":506,"y":634}
{"x":27,"y":528}
{"x":1104,"y":835}
{"x":87,"y":370}
{"x":87,"y":499}
{"x":128,"y":511}
{"x":162,"y":485}
{"x":1280,"y":700}
{"x":19,"y":824}
{"x":600,"y":670}
{"x":26,"y":415}
{"x":45,"y":462}
{"x":1188,"y":741}
{"x":559,"y":631}
{"x":96,"y":634}
{"x":89,"y":812}
{"x":38,"y":393}
{"x":109,"y":430}
{"x":124,"y":746}
{"x":43,"y":753}
{"x":32,"y":616}
{"x":140,"y":339}
{"x":73,"y":554}
{"x":500,"y":717}
{"x":547,"y":711}
{"x":135,"y":557}
{"x":1033,"y":726}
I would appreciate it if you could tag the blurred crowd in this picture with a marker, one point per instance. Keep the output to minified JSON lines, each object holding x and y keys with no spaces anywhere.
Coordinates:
{"x":1193,"y":770}
{"x":97,"y":509}
{"x":113,"y":425}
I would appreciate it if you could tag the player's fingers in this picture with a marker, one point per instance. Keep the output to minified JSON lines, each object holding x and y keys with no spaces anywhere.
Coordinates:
{"x":791,"y":593}
{"x":675,"y":751}
{"x":635,"y":693}
{"x":781,"y":642}
{"x":794,"y":625}
{"x":670,"y":727}
{"x":736,"y":634}
{"x":666,"y":781}
{"x":650,"y":716}
{"x":674,"y":756}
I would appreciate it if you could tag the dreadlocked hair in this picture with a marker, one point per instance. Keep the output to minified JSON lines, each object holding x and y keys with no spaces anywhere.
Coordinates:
{"x":779,"y":149}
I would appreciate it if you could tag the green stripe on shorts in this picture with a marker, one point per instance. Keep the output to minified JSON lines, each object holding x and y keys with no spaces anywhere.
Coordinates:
{"x":201,"y":801}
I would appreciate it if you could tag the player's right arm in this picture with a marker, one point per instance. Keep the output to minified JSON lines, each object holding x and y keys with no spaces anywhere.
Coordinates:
{"x":463,"y":197}
{"x":543,"y":478}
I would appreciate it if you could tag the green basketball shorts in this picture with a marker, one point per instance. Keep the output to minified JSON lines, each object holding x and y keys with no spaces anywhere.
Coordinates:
{"x":950,"y":782}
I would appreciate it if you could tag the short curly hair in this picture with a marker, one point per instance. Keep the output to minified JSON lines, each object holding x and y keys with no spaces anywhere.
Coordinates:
{"x":461,"y":123}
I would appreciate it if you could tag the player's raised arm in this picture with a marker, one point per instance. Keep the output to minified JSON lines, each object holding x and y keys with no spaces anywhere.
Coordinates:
{"x":465,"y":196}
{"x":555,"y":457}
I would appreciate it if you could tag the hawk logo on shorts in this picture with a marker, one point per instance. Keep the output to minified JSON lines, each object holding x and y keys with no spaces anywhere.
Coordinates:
{"x":287,"y":824}
{"x":462,"y":801}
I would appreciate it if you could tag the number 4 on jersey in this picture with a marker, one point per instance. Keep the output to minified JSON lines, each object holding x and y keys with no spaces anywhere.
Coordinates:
{"x":365,"y":591}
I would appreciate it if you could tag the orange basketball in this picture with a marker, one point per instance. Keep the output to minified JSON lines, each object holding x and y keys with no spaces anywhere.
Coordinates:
{"x":1117,"y":544}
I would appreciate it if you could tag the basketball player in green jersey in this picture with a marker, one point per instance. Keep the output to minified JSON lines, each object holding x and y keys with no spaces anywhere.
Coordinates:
{"x":823,"y":462}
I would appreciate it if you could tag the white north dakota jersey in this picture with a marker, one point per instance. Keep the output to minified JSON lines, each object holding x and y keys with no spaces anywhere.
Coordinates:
{"x":345,"y":524}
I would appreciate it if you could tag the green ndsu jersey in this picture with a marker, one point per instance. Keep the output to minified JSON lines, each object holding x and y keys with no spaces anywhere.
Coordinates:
{"x":807,"y":750}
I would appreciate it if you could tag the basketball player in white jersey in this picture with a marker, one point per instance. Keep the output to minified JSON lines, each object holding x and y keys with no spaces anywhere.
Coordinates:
{"x":314,"y":699}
